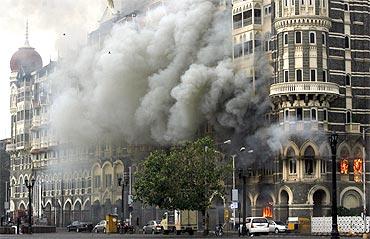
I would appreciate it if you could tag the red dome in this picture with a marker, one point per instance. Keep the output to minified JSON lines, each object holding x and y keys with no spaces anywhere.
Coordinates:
{"x":25,"y":58}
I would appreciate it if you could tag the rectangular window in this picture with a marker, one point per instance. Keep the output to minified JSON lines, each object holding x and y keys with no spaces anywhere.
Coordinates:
{"x":313,"y":75}
{"x":285,"y":39}
{"x":247,"y":18}
{"x":324,"y":39}
{"x":108,"y":180}
{"x":299,"y":114}
{"x":97,"y":181}
{"x":313,"y":114}
{"x":298,"y":75}
{"x":286,"y":115}
{"x":257,"y":16}
{"x":324,"y":76}
{"x":312,"y":38}
{"x":308,"y":163}
{"x":248,"y":47}
{"x":325,"y":115}
{"x":323,"y":166}
{"x":237,"y":21}
{"x":286,"y":76}
{"x":292,"y":166}
{"x":238,"y":50}
{"x":298,"y":37}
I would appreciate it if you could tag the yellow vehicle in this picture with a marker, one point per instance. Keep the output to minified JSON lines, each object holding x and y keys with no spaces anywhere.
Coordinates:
{"x":180,"y":221}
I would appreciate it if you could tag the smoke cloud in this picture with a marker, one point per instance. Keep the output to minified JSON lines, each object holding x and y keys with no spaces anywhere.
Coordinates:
{"x":158,"y":78}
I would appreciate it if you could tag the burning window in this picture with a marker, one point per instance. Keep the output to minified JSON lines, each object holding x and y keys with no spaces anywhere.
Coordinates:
{"x":357,"y":170}
{"x":344,"y":166}
{"x":267,"y":212}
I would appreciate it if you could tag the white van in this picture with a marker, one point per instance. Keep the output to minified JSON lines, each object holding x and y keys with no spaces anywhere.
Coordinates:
{"x":255,"y":225}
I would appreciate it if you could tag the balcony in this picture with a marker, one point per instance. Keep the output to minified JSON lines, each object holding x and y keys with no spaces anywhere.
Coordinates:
{"x":36,"y":145}
{"x":288,"y":88}
{"x":36,"y":121}
{"x":353,"y":128}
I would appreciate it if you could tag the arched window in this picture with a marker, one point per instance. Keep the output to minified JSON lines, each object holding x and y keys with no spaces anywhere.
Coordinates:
{"x":312,"y":38}
{"x":286,"y":38}
{"x":309,"y":165}
{"x":292,"y":161}
{"x":323,"y":35}
{"x":299,"y":75}
{"x":348,"y":80}
{"x":313,"y":114}
{"x":348,"y":117}
{"x":346,"y":42}
{"x":286,"y":76}
{"x":346,"y":7}
{"x":298,"y":37}
{"x":286,"y":115}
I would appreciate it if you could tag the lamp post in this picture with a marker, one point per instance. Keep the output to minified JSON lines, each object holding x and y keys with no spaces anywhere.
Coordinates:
{"x":244,"y":177}
{"x":364,"y":175}
{"x":333,"y":139}
{"x":123,"y":182}
{"x":29,"y":186}
{"x":235,"y":191}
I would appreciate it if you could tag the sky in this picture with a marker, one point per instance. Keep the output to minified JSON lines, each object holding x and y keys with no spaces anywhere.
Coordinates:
{"x":53,"y":24}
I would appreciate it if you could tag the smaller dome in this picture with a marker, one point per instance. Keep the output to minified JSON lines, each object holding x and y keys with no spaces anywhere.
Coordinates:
{"x":26,"y":59}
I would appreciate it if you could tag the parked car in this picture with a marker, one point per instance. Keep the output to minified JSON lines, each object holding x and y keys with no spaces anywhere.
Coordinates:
{"x":277,"y":226}
{"x":255,"y":225}
{"x":152,"y":227}
{"x":125,"y":228}
{"x":80,"y":226}
{"x":100,"y":227}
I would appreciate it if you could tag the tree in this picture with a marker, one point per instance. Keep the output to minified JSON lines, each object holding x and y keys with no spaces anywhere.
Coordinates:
{"x":183,"y":178}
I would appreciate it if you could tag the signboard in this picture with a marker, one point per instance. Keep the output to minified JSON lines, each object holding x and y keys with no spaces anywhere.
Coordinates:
{"x":234,"y":205}
{"x":234,"y":195}
{"x":6,"y":206}
{"x":130,"y":199}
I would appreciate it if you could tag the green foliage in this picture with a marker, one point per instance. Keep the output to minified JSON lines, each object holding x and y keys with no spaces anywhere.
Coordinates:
{"x":343,"y":211}
{"x":183,"y":178}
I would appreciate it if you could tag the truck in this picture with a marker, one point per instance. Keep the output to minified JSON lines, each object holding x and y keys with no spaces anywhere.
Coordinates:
{"x":180,"y":221}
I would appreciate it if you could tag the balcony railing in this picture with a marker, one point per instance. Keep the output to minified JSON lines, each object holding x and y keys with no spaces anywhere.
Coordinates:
{"x":304,"y":88}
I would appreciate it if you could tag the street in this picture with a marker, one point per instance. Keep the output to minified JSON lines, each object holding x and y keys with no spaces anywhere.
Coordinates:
{"x":74,"y":235}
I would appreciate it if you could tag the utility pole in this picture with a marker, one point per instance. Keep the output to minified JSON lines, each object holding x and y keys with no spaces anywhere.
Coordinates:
{"x":333,"y":139}
{"x":364,"y":212}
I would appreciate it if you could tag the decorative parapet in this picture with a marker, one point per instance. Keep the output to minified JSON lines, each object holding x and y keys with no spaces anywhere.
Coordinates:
{"x":284,"y":23}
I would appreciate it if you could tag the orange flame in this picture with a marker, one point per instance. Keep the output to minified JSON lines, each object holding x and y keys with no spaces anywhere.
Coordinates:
{"x":344,"y":166}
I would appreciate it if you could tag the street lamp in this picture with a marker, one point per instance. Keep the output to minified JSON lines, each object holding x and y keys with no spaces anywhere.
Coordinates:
{"x":244,"y":177}
{"x":30,"y":188}
{"x":235,"y":191}
{"x":364,"y":174}
{"x":123,"y":182}
{"x":333,"y":139}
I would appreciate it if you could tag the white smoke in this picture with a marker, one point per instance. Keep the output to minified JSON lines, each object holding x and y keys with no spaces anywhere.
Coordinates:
{"x":160,"y":81}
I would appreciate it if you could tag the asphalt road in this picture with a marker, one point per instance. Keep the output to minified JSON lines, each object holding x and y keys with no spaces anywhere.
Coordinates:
{"x":83,"y":235}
